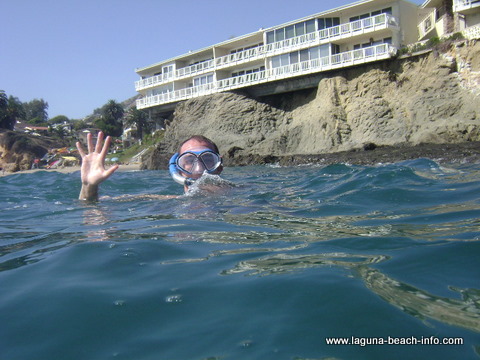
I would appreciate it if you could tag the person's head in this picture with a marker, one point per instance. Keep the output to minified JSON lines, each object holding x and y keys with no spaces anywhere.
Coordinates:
{"x":195,"y":156}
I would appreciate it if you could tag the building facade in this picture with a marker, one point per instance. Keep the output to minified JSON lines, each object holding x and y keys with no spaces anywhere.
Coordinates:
{"x":365,"y":31}
{"x":442,"y":17}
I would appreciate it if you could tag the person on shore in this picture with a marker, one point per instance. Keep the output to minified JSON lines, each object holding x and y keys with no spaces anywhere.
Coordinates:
{"x":196,"y":156}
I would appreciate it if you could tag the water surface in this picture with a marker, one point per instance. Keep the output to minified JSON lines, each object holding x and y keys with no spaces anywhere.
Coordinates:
{"x":268,"y":270}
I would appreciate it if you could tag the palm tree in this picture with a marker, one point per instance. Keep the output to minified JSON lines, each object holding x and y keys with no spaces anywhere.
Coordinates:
{"x":110,"y":121}
{"x":10,"y":109}
{"x":138,"y":118}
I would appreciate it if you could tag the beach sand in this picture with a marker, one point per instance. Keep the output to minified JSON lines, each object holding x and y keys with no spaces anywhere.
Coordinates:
{"x":70,"y":169}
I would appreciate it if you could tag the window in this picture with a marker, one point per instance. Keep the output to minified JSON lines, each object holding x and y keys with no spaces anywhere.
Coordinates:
{"x":280,"y":60}
{"x":301,"y":56}
{"x":167,"y":69}
{"x":299,"y":29}
{"x":326,"y":23}
{"x":387,"y":40}
{"x":249,"y":71}
{"x":203,"y":80}
{"x":310,"y":26}
{"x":245,"y":48}
{"x":373,"y":13}
{"x":279,"y":34}
{"x":291,"y":31}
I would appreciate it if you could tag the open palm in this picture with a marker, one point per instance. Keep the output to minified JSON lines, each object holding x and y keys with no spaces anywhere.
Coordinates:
{"x":93,"y":170}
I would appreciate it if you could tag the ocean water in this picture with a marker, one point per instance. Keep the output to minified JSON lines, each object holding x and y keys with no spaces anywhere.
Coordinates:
{"x":274,"y":268}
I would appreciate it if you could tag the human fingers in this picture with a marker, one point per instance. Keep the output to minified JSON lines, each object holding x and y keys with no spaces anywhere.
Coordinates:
{"x":110,"y":171}
{"x":106,"y":146}
{"x":80,"y":149}
{"x":98,"y":147}
{"x":90,"y":143}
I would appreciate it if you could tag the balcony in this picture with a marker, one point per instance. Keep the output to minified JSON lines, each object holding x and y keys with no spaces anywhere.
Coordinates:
{"x":465,"y":5}
{"x":349,"y":58}
{"x":335,"y":33}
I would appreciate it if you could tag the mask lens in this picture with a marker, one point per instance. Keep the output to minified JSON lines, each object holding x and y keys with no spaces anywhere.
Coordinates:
{"x":210,"y":160}
{"x":187,"y":162}
{"x":191,"y":162}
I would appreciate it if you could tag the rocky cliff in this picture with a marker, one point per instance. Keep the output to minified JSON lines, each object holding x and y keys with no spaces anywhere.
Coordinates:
{"x":18,"y":150}
{"x":429,"y":98}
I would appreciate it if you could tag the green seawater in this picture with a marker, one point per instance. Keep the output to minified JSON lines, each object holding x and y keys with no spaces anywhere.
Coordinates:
{"x":272,"y":268}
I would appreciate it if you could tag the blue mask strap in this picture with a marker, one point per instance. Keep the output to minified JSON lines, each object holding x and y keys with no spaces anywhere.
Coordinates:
{"x":175,"y":174}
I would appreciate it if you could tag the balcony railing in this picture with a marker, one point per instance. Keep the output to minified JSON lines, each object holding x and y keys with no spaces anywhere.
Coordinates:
{"x":312,"y":39}
{"x":345,"y":59}
{"x":462,"y":5}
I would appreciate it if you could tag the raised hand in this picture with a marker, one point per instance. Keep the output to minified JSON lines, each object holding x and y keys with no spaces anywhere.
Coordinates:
{"x":93,"y":170}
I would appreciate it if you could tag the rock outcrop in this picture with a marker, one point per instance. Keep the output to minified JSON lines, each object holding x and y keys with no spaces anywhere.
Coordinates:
{"x":17,"y":150}
{"x":429,"y":98}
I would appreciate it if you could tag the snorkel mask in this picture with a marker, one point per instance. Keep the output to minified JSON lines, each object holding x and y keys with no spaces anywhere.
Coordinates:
{"x":193,"y":163}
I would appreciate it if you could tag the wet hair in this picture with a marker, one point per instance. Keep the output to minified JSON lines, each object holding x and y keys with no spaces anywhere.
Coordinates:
{"x":202,"y":139}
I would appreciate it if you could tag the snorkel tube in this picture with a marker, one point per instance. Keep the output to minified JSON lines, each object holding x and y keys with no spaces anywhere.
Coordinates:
{"x":175,"y":173}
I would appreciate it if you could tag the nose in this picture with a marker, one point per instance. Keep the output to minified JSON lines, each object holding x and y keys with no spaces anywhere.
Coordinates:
{"x":198,"y":168}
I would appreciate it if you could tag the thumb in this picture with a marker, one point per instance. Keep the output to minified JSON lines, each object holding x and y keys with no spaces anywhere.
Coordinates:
{"x":110,"y":171}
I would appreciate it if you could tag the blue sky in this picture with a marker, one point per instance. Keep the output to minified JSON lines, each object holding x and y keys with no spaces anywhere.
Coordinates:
{"x":78,"y":54}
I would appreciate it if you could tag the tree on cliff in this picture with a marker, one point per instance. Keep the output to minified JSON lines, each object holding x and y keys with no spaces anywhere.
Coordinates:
{"x":36,"y":111}
{"x":110,"y":120}
{"x":10,"y":109}
{"x":138,"y":118}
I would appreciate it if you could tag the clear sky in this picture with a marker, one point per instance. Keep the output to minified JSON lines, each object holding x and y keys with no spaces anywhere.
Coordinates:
{"x":78,"y":54}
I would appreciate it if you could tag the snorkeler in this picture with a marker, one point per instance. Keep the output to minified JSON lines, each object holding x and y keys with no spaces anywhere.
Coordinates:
{"x":196,"y":156}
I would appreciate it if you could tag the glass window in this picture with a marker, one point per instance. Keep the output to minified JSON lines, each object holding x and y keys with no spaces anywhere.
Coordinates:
{"x":314,"y":53}
{"x":299,"y":29}
{"x":304,"y":55}
{"x":310,"y":24}
{"x":289,"y":32}
{"x":270,"y":37}
{"x":321,"y":24}
{"x":294,"y":57}
{"x":279,"y":35}
{"x":387,"y":11}
{"x":324,"y":50}
{"x":275,"y":61}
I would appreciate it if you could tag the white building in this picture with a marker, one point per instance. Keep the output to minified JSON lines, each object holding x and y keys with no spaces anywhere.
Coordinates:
{"x":440,"y":18}
{"x":364,"y":31}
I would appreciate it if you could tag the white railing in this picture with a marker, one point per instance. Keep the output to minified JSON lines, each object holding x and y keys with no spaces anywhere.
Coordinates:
{"x":472,"y":32}
{"x":312,"y":39}
{"x":461,"y":5}
{"x":345,"y":59}
{"x":194,"y":69}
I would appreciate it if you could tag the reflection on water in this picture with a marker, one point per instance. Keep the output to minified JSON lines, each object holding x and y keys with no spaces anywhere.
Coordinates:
{"x":282,"y":263}
{"x":464,"y":313}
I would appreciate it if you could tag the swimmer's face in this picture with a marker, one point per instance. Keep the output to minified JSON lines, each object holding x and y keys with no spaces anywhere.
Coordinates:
{"x":195,"y":145}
